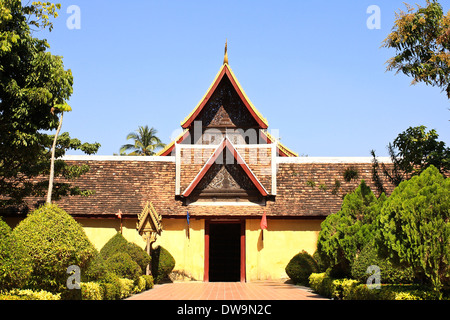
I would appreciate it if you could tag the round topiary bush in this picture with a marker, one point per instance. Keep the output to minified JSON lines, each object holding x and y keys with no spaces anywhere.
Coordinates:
{"x":53,"y":241}
{"x":300,"y":268}
{"x":162,"y":264}
{"x":122,"y":265}
{"x":116,"y":244}
{"x":15,"y":267}
{"x":119,"y":244}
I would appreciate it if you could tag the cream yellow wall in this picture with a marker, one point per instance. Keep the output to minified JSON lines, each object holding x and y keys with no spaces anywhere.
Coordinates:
{"x":267,"y":255}
{"x":189,"y":253}
{"x":99,"y":231}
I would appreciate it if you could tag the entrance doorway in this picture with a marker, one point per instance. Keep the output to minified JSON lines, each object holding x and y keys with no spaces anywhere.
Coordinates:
{"x":225,"y":251}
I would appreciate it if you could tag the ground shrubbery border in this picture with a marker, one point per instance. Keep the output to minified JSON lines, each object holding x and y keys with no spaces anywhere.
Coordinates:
{"x":350,"y":289}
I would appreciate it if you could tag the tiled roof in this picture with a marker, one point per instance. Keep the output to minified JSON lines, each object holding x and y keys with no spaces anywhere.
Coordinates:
{"x":305,"y":188}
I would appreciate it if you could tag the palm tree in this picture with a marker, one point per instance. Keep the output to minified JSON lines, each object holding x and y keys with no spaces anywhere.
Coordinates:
{"x":145,"y":142}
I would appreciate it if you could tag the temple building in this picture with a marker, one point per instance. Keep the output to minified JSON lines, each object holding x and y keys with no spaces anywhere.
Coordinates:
{"x":235,"y":203}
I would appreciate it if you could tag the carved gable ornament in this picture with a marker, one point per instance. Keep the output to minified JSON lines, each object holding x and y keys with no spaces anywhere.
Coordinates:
{"x":149,"y":223}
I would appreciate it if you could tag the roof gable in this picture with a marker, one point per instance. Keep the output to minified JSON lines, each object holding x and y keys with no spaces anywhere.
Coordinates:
{"x":225,"y":71}
{"x":222,"y":147}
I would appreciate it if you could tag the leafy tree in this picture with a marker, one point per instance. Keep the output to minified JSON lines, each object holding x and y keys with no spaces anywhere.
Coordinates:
{"x":34,"y":90}
{"x":145,"y":142}
{"x":414,"y":226}
{"x":389,"y":272}
{"x":413,"y":151}
{"x":421,"y":39}
{"x":345,"y":233}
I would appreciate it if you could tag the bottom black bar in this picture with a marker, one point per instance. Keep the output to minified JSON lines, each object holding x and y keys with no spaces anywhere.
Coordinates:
{"x":234,"y":309}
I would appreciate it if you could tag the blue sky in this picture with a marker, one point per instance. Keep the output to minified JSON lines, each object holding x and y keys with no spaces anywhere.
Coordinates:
{"x":313,"y":69}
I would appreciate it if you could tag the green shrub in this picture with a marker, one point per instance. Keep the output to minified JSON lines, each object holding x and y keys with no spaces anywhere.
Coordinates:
{"x":349,"y":289}
{"x":388,"y":272}
{"x":300,"y":268}
{"x":15,"y":266}
{"x":148,"y":281}
{"x":122,"y":265}
{"x":91,"y":291}
{"x":138,"y":255}
{"x":126,"y":288}
{"x":345,"y":233}
{"x":139,"y":284}
{"x":116,"y":244}
{"x":111,"y":286}
{"x":96,"y":269}
{"x":162,"y":264}
{"x":415,"y":227}
{"x":320,"y":263}
{"x":340,"y":288}
{"x":110,"y":291}
{"x":321,"y":283}
{"x":53,"y":241}
{"x":28,"y":294}
{"x":119,"y":244}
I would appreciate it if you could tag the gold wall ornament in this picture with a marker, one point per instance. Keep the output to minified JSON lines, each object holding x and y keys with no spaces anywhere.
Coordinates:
{"x":149,"y":227}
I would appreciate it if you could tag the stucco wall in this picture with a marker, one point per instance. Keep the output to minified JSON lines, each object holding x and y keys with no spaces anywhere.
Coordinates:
{"x":189,"y":253}
{"x":99,"y":231}
{"x":268,"y":254}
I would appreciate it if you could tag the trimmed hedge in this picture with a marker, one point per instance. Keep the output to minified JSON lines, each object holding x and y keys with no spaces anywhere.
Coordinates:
{"x":162,"y":264}
{"x":118,"y":244}
{"x":53,"y":241}
{"x":300,"y":268}
{"x":148,"y":282}
{"x":15,"y":266}
{"x":115,"y":289}
{"x":349,"y":289}
{"x":91,"y":291}
{"x":28,"y":294}
{"x":122,"y":265}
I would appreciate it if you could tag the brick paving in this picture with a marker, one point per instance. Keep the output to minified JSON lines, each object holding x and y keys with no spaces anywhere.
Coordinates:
{"x":259,"y":290}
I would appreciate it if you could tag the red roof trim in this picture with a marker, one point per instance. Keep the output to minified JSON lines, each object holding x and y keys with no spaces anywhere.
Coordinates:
{"x":241,"y":95}
{"x":225,"y":144}
{"x":224,"y":71}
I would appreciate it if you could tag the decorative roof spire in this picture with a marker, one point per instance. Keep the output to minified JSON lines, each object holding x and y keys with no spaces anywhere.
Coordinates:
{"x":225,"y":58}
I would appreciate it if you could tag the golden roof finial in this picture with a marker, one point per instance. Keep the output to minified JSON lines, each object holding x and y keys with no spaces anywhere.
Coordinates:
{"x":225,"y":58}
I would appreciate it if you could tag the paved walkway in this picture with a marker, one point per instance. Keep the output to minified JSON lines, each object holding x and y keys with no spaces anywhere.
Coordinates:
{"x":260,"y":290}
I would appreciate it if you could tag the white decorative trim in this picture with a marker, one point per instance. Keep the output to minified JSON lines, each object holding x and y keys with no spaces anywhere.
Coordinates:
{"x":274,"y":167}
{"x":332,"y":159}
{"x":177,"y":169}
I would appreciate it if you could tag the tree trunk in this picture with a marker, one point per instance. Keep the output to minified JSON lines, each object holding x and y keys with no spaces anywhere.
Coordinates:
{"x":52,"y":162}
